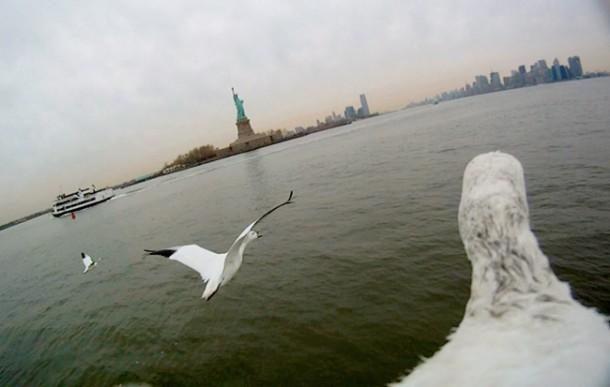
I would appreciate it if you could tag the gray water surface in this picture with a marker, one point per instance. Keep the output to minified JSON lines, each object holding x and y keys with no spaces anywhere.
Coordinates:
{"x":350,"y":285}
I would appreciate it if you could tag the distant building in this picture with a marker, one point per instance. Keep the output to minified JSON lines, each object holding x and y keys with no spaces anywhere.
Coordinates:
{"x":482,"y":84}
{"x":575,"y":66}
{"x":350,"y":112}
{"x":365,"y":105}
{"x":496,"y":83}
{"x":540,"y":72}
{"x":556,"y":70}
{"x":517,"y":79}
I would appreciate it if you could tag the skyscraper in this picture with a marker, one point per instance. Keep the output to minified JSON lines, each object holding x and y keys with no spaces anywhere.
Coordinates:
{"x":365,"y":105}
{"x":542,"y":64}
{"x":556,"y":70}
{"x":517,"y":79}
{"x":481,"y":83}
{"x":350,"y":112}
{"x":575,"y":66}
{"x":496,"y":83}
{"x":541,"y":72}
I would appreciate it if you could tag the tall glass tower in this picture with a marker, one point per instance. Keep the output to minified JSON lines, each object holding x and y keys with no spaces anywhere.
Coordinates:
{"x":575,"y":66}
{"x":365,"y":105}
{"x":556,"y":70}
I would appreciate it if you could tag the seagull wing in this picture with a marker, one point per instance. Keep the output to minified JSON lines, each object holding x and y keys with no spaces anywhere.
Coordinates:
{"x":247,"y":229}
{"x":234,"y":257}
{"x":207,"y":263}
{"x":87,"y":261}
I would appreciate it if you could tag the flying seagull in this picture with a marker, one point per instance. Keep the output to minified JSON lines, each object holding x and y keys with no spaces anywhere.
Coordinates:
{"x":88,"y":262}
{"x":215,"y":269}
{"x":521,"y":326}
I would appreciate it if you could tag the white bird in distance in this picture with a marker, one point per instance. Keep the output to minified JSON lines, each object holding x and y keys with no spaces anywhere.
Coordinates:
{"x":215,"y":269}
{"x":88,"y":262}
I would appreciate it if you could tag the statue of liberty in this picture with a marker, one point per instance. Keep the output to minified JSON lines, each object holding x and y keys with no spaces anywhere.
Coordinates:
{"x":239,"y":104}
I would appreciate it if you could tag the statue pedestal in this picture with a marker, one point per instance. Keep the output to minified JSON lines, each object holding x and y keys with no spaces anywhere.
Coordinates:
{"x":247,"y":139}
{"x":244,"y":129}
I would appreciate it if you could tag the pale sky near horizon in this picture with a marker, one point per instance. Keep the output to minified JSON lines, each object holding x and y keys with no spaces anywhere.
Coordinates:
{"x":99,"y":92}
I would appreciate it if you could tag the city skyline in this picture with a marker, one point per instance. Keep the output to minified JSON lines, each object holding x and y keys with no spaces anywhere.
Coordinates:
{"x":97,"y":93}
{"x":539,"y":73}
{"x":349,"y":113}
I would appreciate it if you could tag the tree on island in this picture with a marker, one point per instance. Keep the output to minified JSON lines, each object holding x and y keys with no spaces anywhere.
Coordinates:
{"x":277,"y":134}
{"x":194,"y":156}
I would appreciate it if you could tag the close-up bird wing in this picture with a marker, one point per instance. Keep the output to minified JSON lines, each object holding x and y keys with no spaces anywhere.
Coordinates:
{"x":207,"y":263}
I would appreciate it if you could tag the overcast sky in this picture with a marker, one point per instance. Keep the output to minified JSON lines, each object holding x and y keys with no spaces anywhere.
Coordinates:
{"x":100,"y":92}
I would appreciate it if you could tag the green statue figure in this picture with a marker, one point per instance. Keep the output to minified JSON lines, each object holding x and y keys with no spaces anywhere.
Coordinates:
{"x":239,"y":104}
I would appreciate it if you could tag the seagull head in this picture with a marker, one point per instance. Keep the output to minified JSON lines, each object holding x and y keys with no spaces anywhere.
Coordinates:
{"x":249,"y":237}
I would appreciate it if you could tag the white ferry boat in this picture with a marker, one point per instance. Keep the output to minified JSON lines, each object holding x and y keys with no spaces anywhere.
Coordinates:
{"x":81,"y":199}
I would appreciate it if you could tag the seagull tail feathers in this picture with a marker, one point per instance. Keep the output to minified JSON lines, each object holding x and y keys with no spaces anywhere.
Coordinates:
{"x":210,"y":290}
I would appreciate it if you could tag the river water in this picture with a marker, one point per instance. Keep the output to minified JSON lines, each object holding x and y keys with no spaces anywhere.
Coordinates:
{"x":350,"y":285}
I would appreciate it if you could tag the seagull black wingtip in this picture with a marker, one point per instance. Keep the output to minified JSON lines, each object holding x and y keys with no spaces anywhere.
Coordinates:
{"x":164,"y":253}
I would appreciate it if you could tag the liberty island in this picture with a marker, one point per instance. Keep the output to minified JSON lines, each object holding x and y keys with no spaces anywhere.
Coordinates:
{"x":247,"y":139}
